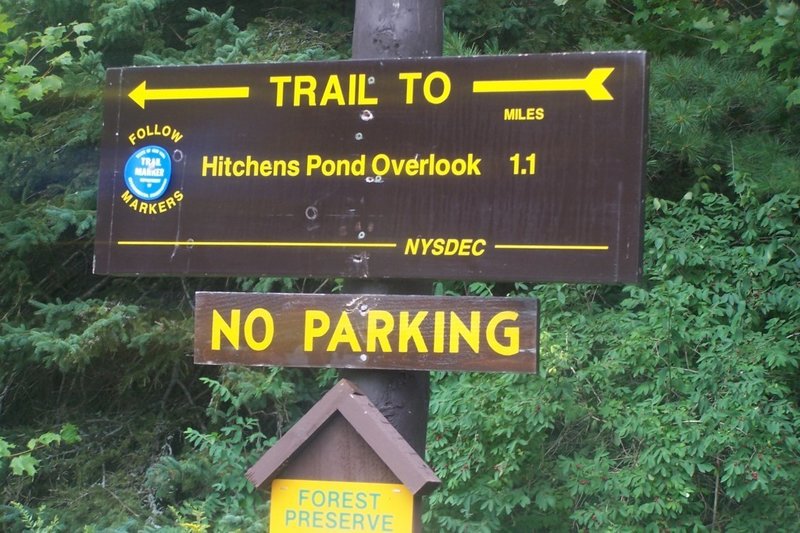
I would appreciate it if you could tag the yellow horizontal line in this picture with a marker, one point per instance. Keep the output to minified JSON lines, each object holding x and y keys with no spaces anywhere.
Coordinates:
{"x":575,"y":247}
{"x":200,"y":93}
{"x":275,"y":244}
{"x":592,"y":85}
{"x":514,"y":86}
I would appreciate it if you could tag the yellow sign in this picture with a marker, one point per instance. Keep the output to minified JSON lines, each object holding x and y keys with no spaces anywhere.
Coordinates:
{"x":302,"y":506}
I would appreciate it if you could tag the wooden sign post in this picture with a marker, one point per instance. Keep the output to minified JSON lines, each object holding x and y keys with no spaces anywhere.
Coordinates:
{"x":385,"y":29}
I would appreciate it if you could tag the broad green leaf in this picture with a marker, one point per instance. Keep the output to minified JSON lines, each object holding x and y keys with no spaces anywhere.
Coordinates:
{"x":82,"y":27}
{"x":705,"y":467}
{"x":704,"y":24}
{"x":793,"y":99}
{"x":764,"y":45}
{"x":24,"y":464}
{"x":81,"y":40}
{"x":5,"y":448}
{"x":18,"y":46}
{"x":62,"y":59}
{"x":5,"y":24}
{"x":786,"y":13}
{"x":69,"y":434}
{"x":34,"y":92}
{"x":545,"y":499}
{"x":51,"y":83}
{"x":49,"y":438}
{"x":56,"y":32}
{"x":25,"y":72}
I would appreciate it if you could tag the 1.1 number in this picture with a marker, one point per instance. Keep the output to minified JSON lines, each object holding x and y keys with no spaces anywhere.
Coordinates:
{"x":523,"y":166}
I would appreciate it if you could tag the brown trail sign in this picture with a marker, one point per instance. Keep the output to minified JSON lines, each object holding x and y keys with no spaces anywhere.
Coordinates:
{"x":525,"y":167}
{"x":367,"y":331}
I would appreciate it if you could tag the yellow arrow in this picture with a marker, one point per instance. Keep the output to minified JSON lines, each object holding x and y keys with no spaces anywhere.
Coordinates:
{"x":591,"y":84}
{"x":141,"y":94}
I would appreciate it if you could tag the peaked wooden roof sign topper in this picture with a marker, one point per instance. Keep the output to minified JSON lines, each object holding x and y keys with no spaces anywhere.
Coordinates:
{"x":312,"y":438}
{"x":344,"y":467}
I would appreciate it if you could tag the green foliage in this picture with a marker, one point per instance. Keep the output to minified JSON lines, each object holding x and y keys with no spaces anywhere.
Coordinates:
{"x":743,"y":31}
{"x":31,"y":522}
{"x":33,"y":63}
{"x":70,"y":344}
{"x":664,"y":407}
{"x":773,"y":37}
{"x":123,"y":20}
{"x":522,"y":26}
{"x":24,"y":462}
{"x":709,"y":118}
{"x":209,"y":485}
{"x":216,"y":38}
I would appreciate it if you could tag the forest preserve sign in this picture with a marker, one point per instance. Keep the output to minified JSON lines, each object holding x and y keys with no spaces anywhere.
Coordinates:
{"x":498,"y":168}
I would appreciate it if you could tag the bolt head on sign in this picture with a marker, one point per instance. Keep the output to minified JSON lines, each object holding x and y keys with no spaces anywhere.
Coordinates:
{"x":526,"y":167}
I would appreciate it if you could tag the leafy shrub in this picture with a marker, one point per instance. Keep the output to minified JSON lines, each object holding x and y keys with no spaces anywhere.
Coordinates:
{"x":209,"y":483}
{"x":666,"y":406}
